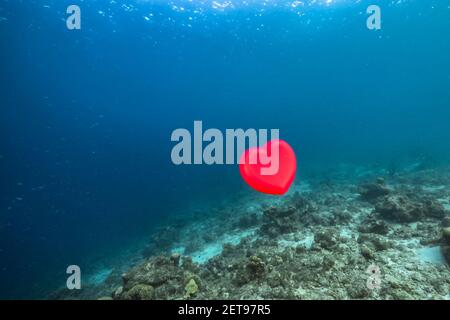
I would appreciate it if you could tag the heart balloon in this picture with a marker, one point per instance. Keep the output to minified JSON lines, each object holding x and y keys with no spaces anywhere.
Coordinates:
{"x":259,"y":173}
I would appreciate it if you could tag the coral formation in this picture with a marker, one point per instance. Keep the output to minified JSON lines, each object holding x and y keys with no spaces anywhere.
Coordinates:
{"x":191,"y":288}
{"x":399,"y":208}
{"x":315,"y":244}
{"x":372,"y":191}
{"x":277,"y":220}
{"x":160,"y":277}
{"x":139,"y":292}
{"x":445,"y":246}
{"x":373,"y":225}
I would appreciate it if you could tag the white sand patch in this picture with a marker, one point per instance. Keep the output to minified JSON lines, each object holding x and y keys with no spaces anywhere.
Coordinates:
{"x":412,"y":167}
{"x":364,"y":173}
{"x":431,"y":254}
{"x":301,"y":187}
{"x":215,"y":248}
{"x":360,"y":215}
{"x":99,"y":276}
{"x":306,"y":242}
{"x":203,"y":255}
{"x":347,"y":233}
{"x":432,"y":189}
{"x":304,"y":187}
{"x":410,"y":243}
{"x":179,"y":250}
{"x":445,"y":203}
{"x":413,"y":225}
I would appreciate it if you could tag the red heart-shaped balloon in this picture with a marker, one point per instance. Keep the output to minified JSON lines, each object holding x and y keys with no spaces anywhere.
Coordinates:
{"x":257,"y":172}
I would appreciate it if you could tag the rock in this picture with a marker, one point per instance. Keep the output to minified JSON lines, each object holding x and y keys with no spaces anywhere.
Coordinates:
{"x":399,"y":294}
{"x":256,"y":267}
{"x":445,"y":249}
{"x":118,"y":292}
{"x":408,"y":208}
{"x":342,"y":217}
{"x":188,"y":264}
{"x":300,"y":249}
{"x":399,"y":208}
{"x":372,"y":191}
{"x":373,"y":225}
{"x":327,"y":238}
{"x":139,"y":292}
{"x":446,"y":222}
{"x":328,"y":262}
{"x":445,"y":244}
{"x":175,"y":257}
{"x":366,"y":252}
{"x":381,"y":244}
{"x":434,"y":209}
{"x":374,"y":241}
{"x":446,"y":235}
{"x":279,"y":220}
{"x":358,"y":290}
{"x":159,"y":277}
{"x":275,"y":279}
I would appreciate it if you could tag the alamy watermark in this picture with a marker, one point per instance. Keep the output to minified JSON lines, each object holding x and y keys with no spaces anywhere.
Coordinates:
{"x":225,"y":148}
{"x":373,"y":22}
{"x":73,"y":22}
{"x":74,"y":280}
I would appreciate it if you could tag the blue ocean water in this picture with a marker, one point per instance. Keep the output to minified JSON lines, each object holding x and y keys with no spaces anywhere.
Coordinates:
{"x":86,"y":115}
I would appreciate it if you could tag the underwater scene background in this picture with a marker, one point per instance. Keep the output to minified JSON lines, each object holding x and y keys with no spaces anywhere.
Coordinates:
{"x":87,"y":179}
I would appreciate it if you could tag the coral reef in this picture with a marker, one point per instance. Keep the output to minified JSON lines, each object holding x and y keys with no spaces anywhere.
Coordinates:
{"x":315,"y":244}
